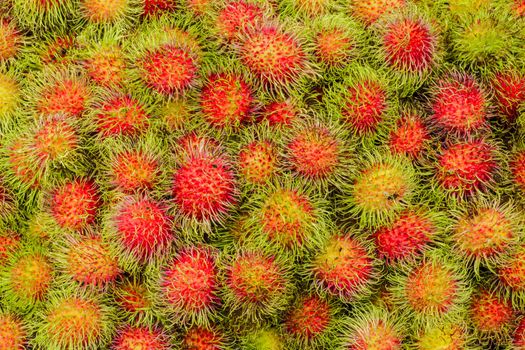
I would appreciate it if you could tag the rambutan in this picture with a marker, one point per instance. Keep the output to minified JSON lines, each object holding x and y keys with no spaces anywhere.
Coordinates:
{"x":189,"y":285}
{"x":490,"y":315}
{"x":40,"y":15}
{"x":343,"y":268}
{"x":511,"y":274}
{"x":203,"y":338}
{"x":447,"y":336}
{"x":410,"y":136}
{"x":308,"y":8}
{"x":132,"y":338}
{"x":106,"y":11}
{"x":257,"y":162}
{"x":257,"y":285}
{"x":104,"y":61}
{"x":263,"y":339}
{"x":519,"y":8}
{"x":517,"y":169}
{"x":134,"y":301}
{"x":459,"y":105}
{"x":274,"y":55}
{"x":466,"y":167}
{"x":509,"y":89}
{"x":370,"y":11}
{"x":9,"y":95}
{"x":9,"y":244}
{"x":518,"y":338}
{"x":236,"y":17}
{"x":74,"y":204}
{"x":226,"y":100}
{"x":407,"y":236}
{"x":158,"y":7}
{"x":10,"y":40}
{"x":382,"y":186}
{"x":74,"y":321}
{"x":142,"y":228}
{"x":279,"y":113}
{"x":13,"y":332}
{"x":21,"y":167}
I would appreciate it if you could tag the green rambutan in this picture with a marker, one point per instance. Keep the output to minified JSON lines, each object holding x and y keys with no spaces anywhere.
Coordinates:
{"x":141,"y":228}
{"x":9,"y":95}
{"x":343,"y":267}
{"x":373,"y":328}
{"x":459,"y":105}
{"x":10,"y":40}
{"x":203,"y":338}
{"x":370,"y":11}
{"x":108,"y":11}
{"x":447,"y":336}
{"x":13,"y":332}
{"x":74,"y":204}
{"x":74,"y":320}
{"x":256,"y":285}
{"x":189,"y":285}
{"x":509,"y":90}
{"x":237,"y":16}
{"x":382,"y":186}
{"x":309,"y":8}
{"x":431,"y":291}
{"x":9,"y":244}
{"x":148,"y":338}
{"x":226,"y":100}
{"x":40,"y":15}
{"x":410,"y":136}
{"x":490,"y":315}
{"x":263,"y":339}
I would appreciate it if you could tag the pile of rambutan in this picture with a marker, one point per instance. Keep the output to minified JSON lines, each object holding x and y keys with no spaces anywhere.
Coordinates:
{"x":262,"y":174}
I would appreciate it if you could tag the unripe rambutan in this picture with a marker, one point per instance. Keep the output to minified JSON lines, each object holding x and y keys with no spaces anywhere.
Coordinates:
{"x":518,"y":338}
{"x":373,"y":328}
{"x":407,"y":236}
{"x":203,"y":338}
{"x":517,"y":169}
{"x":10,"y":40}
{"x":343,"y":268}
{"x":74,"y":321}
{"x":509,"y":89}
{"x":279,"y":113}
{"x":40,"y":15}
{"x":88,"y":261}
{"x":9,"y":244}
{"x":134,"y":301}
{"x":106,"y":11}
{"x":447,"y":336}
{"x":157,"y":7}
{"x":257,"y":285}
{"x":142,"y":229}
{"x":204,"y":185}
{"x":236,"y":17}
{"x":74,"y":204}
{"x":431,"y":291}
{"x":257,"y":162}
{"x":511,"y":274}
{"x":189,"y":285}
{"x":466,"y":167}
{"x":13,"y":333}
{"x":310,"y":322}
{"x":21,"y":167}
{"x":9,"y":95}
{"x":459,"y":105}
{"x":105,"y":62}
{"x":491,"y":315}
{"x":410,"y":136}
{"x":382,"y":187}
{"x":26,"y":279}
{"x":370,"y":11}
{"x":147,"y":338}
{"x":274,"y":55}
{"x":263,"y":339}
{"x":226,"y":100}
{"x":57,"y":50}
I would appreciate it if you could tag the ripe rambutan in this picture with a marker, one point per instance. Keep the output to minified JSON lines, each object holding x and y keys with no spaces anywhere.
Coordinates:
{"x":343,"y":268}
{"x":189,"y":285}
{"x":142,"y":229}
{"x":257,"y":285}
{"x":106,"y":11}
{"x":56,"y":50}
{"x":74,"y":321}
{"x":373,"y":328}
{"x":410,"y":136}
{"x":370,"y":11}
{"x":407,"y":236}
{"x":511,"y":274}
{"x":22,"y":171}
{"x":203,"y":338}
{"x":466,"y":167}
{"x":158,"y":7}
{"x":74,"y":204}
{"x":491,"y":316}
{"x":236,"y":17}
{"x":519,"y":8}
{"x":447,"y":336}
{"x":518,"y":338}
{"x":309,"y":8}
{"x":9,"y":95}
{"x":274,"y":55}
{"x":13,"y":333}
{"x":509,"y":89}
{"x":87,"y":261}
{"x":204,"y":185}
{"x":279,"y":113}
{"x":459,"y":105}
{"x":9,"y":244}
{"x":226,"y":100}
{"x":257,"y":161}
{"x":10,"y":40}
{"x":517,"y":169}
{"x":134,"y":301}
{"x":382,"y":186}
{"x":431,"y":291}
{"x":133,"y":338}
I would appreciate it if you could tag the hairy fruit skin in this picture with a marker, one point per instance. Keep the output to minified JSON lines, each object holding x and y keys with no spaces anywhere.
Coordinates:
{"x":512,"y":271}
{"x":509,"y":89}
{"x":157,"y":7}
{"x":490,"y":313}
{"x":10,"y":40}
{"x":365,"y":106}
{"x":258,"y":162}
{"x":66,"y":96}
{"x":13,"y":335}
{"x":236,"y":17}
{"x":134,"y":170}
{"x":203,"y":338}
{"x":517,"y":168}
{"x":373,"y":331}
{"x":121,"y":115}
{"x":279,"y":113}
{"x":131,"y":338}
{"x":370,"y":11}
{"x":309,"y":319}
{"x":410,"y":136}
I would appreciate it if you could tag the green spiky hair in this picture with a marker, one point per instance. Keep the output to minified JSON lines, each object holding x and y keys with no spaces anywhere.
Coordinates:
{"x":382,"y":186}
{"x":39,"y":16}
{"x":266,"y":338}
{"x":9,"y":94}
{"x":444,"y":336}
{"x":122,"y":13}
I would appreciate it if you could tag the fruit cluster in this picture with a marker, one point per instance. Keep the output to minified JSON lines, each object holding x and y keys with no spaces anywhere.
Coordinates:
{"x":262,"y":174}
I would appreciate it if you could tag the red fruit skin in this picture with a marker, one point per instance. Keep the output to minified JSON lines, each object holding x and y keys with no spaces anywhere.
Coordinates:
{"x":190,"y":283}
{"x":132,"y":297}
{"x":121,"y":116}
{"x":333,"y":47}
{"x":365,"y":106}
{"x":13,"y":336}
{"x":406,"y":237}
{"x":518,"y":339}
{"x":410,"y":137}
{"x":517,"y":168}
{"x":10,"y":40}
{"x":370,"y":11}
{"x":279,"y":113}
{"x":273,"y":55}
{"x":459,"y":105}
{"x":519,"y":8}
{"x":308,"y":319}
{"x":236,"y":17}
{"x":157,"y":7}
{"x":409,"y":45}
{"x":226,"y":100}
{"x":489,"y":313}
{"x":314,"y":153}
{"x":54,"y":138}
{"x":67,"y":97}
{"x":258,"y":162}
{"x":200,"y":338}
{"x":168,"y":69}
{"x":143,"y":227}
{"x":107,"y":68}
{"x":134,"y":170}
{"x":9,"y":243}
{"x":466,"y":166}
{"x":204,"y":186}
{"x":56,"y":52}
{"x":133,"y":338}
{"x":509,"y":89}
{"x":344,"y":267}
{"x":512,"y":273}
{"x":74,"y":205}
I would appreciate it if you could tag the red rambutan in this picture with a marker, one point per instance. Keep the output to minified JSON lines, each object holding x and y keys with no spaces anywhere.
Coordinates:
{"x":13,"y":335}
{"x":517,"y":168}
{"x":10,"y":40}
{"x":134,"y":301}
{"x":509,"y":88}
{"x":157,"y":7}
{"x":511,"y":273}
{"x":133,"y":338}
{"x":257,"y":162}
{"x":236,"y":17}
{"x":203,"y":338}
{"x":518,"y":339}
{"x":68,"y":96}
{"x":490,"y":314}
{"x":121,"y":115}
{"x":106,"y":65}
{"x":134,"y":169}
{"x":410,"y":136}
{"x":370,"y":11}
{"x":9,"y":243}
{"x":279,"y":113}
{"x":104,"y":11}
